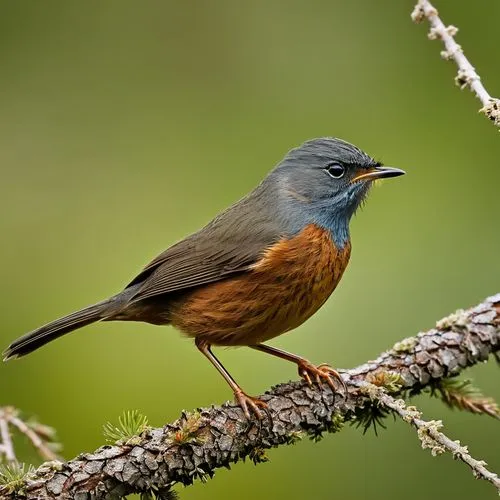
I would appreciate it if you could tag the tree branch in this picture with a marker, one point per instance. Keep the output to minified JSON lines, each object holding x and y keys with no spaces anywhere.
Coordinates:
{"x":197,"y":444}
{"x":432,"y":438}
{"x":466,"y":76}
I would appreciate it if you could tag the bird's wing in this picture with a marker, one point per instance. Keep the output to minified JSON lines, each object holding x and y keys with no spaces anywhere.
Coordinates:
{"x":215,"y":252}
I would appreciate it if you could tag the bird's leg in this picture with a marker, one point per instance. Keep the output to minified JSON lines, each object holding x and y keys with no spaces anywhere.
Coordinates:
{"x":308,"y":371}
{"x":243,"y":399}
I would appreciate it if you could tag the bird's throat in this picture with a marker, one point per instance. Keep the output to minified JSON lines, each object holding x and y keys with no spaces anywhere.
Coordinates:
{"x":338,"y":227}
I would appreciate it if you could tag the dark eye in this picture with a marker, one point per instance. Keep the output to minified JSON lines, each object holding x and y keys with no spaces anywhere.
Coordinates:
{"x":336,"y":170}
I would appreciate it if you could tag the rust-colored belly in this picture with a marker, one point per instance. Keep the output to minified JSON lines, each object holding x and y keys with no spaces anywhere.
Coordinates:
{"x":289,"y":284}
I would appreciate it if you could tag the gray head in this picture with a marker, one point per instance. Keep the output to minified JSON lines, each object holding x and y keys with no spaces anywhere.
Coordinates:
{"x":324,"y":181}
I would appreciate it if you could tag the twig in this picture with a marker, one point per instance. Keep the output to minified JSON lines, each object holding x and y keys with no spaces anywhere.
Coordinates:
{"x":40,"y":445}
{"x":7,"y":448}
{"x":197,"y":444}
{"x":432,"y":438}
{"x":467,"y":75}
{"x":41,"y":437}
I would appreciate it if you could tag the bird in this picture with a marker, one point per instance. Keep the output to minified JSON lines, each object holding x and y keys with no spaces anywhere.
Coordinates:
{"x":259,"y":269}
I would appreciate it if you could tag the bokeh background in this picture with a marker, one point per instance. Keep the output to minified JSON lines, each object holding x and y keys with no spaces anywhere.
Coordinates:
{"x":126,"y":125}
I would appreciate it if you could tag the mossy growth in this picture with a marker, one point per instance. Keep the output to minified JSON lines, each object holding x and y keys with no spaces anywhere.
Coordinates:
{"x":189,"y":432}
{"x":392,"y":382}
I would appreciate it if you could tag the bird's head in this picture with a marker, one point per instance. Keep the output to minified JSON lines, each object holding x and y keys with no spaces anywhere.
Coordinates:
{"x":327,"y":179}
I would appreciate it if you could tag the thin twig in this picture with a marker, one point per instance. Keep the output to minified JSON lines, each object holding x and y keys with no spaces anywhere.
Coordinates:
{"x":197,"y":444}
{"x":7,"y":446}
{"x":467,"y":75}
{"x":432,"y":438}
{"x":44,"y":451}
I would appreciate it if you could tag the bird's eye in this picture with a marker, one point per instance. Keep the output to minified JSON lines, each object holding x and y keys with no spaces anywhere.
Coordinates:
{"x":336,"y":170}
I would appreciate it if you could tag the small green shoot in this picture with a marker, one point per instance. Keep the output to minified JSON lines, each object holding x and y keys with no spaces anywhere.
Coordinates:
{"x":130,"y":425}
{"x":12,"y":476}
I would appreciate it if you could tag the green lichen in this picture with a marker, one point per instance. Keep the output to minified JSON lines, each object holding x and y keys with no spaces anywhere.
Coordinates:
{"x":458,"y":318}
{"x":428,"y":442}
{"x":405,"y":345}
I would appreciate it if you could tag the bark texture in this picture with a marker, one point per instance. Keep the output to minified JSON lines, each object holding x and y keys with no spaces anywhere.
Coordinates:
{"x":197,"y":444}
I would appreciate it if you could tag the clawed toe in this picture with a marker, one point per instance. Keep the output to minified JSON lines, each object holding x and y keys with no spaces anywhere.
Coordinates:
{"x":249,"y":403}
{"x":336,"y":375}
{"x":321,"y":374}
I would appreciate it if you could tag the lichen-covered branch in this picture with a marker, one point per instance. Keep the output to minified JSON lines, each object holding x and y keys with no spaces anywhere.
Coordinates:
{"x":432,"y":438}
{"x":197,"y":444}
{"x":467,"y":75}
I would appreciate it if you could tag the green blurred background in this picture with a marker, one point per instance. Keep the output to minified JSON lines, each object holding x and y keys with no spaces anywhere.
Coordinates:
{"x":126,"y":125}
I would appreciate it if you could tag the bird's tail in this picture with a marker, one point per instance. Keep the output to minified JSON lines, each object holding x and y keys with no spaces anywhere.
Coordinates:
{"x":41,"y":336}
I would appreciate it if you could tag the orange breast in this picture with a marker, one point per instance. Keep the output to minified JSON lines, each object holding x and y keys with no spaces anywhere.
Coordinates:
{"x":288,"y":285}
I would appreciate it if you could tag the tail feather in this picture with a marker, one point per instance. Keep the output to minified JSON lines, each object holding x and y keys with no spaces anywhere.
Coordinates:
{"x":41,"y":336}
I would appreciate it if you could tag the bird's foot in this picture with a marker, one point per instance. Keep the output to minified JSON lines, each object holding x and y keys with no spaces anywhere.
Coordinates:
{"x":320,"y":374}
{"x":249,"y":403}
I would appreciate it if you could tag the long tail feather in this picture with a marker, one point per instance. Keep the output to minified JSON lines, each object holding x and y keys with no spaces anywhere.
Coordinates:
{"x":41,"y":336}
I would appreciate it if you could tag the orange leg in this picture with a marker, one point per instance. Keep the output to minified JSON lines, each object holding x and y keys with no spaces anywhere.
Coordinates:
{"x":243,"y":399}
{"x":309,"y":372}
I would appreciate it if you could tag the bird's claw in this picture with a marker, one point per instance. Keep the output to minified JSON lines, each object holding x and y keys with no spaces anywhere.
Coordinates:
{"x":247,"y":402}
{"x":321,"y":373}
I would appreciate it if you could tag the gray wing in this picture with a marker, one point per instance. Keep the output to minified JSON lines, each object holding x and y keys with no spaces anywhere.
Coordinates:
{"x":230,"y":244}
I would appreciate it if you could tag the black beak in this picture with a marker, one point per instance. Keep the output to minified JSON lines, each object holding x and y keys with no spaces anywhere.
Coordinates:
{"x":379,"y":173}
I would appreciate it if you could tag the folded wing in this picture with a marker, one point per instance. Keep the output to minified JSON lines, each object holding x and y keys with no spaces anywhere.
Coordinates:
{"x":229,"y":244}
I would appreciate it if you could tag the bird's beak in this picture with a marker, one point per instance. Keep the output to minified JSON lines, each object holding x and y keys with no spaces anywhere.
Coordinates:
{"x":379,"y":173}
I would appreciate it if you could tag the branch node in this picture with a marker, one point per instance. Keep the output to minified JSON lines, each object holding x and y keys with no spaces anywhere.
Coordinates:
{"x":412,"y":411}
{"x":492,"y":111}
{"x":450,"y":54}
{"x":462,"y":451}
{"x":435,"y":34}
{"x":418,"y":14}
{"x":424,"y":432}
{"x":465,"y":78}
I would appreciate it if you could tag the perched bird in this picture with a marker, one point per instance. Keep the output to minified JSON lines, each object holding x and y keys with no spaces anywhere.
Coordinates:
{"x":259,"y":269}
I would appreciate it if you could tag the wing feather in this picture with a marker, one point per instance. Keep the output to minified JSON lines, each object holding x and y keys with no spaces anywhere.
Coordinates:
{"x":230,"y":244}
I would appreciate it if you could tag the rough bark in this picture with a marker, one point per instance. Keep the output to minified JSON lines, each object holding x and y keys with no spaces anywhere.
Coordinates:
{"x":196,"y":445}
